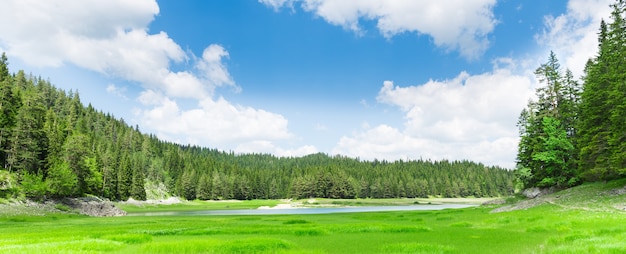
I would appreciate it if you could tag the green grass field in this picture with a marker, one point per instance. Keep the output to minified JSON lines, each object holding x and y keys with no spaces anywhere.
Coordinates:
{"x":569,"y":223}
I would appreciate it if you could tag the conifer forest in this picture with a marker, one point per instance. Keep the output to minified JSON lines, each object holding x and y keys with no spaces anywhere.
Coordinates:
{"x":54,"y":146}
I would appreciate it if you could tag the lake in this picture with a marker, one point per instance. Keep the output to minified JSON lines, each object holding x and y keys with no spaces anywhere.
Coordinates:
{"x":308,"y":210}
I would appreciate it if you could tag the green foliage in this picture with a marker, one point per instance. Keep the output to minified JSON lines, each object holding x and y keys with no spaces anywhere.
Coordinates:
{"x":61,"y":181}
{"x":546,"y":152}
{"x":554,"y":156}
{"x":93,"y":181}
{"x":203,"y":190}
{"x":33,"y":185}
{"x":8,"y":184}
{"x":124,"y":178}
{"x":603,"y":109}
{"x":589,"y":141}
{"x":138,"y":191}
{"x":28,"y":142}
{"x":76,"y":153}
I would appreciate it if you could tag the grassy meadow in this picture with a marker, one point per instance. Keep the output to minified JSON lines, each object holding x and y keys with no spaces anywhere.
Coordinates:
{"x":580,"y":220}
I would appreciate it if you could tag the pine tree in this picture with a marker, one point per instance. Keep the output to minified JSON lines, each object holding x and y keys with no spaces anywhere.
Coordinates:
{"x":137,"y":191}
{"x":28,"y":141}
{"x":76,"y":150}
{"x":602,"y":116}
{"x":554,"y":156}
{"x":109,"y":174}
{"x":546,"y":154}
{"x":4,"y":67}
{"x":203,"y":191}
{"x":124,"y":178}
{"x":9,"y":105}
{"x":617,"y":93}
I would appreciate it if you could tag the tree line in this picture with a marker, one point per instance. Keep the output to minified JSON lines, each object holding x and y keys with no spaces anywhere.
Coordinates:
{"x":576,"y":130}
{"x":51,"y":145}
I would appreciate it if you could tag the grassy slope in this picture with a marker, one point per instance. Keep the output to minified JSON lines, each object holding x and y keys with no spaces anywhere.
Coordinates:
{"x":580,"y":220}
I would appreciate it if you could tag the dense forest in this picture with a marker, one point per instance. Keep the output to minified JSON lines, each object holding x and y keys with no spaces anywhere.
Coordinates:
{"x":576,"y":130}
{"x":54,"y":146}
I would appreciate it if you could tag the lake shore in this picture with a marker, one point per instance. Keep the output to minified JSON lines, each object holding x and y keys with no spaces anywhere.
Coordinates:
{"x":204,"y":205}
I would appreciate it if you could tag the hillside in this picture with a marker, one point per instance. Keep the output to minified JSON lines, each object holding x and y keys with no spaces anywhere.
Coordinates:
{"x":51,"y":145}
{"x":598,"y":197}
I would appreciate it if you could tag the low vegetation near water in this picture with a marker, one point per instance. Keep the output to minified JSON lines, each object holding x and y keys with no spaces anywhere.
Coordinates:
{"x":584,"y":219}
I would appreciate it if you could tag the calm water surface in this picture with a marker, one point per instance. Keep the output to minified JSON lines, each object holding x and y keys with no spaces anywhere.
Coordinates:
{"x":309,"y":210}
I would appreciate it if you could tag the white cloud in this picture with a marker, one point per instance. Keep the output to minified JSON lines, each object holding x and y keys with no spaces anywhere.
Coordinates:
{"x":277,"y":4}
{"x":573,"y":36}
{"x":464,"y":27}
{"x":469,"y":117}
{"x":212,"y":68}
{"x":216,"y":123}
{"x":386,"y":142}
{"x":269,"y":147}
{"x":473,"y":116}
{"x":111,"y":37}
{"x":117,"y":91}
{"x":37,"y":30}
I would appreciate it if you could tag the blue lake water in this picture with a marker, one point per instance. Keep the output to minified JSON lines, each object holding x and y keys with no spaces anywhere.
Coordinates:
{"x":308,"y":210}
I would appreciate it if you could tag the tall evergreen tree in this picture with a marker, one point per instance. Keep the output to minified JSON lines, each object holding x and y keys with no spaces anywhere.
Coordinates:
{"x":546,"y":155}
{"x":28,"y":142}
{"x":124,"y":177}
{"x":76,"y":151}
{"x":603,"y":113}
{"x":137,"y":191}
{"x":9,"y":105}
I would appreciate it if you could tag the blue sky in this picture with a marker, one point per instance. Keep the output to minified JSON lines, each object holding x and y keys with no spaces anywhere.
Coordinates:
{"x":369,"y":79}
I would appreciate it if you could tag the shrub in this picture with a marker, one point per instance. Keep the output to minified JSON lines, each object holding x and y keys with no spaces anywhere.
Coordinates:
{"x":33,"y":186}
{"x":8,"y":185}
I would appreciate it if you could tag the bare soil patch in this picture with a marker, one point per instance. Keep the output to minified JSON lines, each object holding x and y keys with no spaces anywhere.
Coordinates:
{"x":91,"y":206}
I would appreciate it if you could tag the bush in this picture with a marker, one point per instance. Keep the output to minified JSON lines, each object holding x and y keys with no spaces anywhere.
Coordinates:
{"x":8,"y":185}
{"x":61,"y":180}
{"x":33,"y":186}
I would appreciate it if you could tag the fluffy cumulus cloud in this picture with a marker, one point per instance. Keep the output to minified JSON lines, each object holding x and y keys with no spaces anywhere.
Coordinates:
{"x":473,"y":116}
{"x":48,"y":32}
{"x":214,"y":121}
{"x":574,"y":35}
{"x":112,"y":37}
{"x":277,"y":4}
{"x":211,"y":67}
{"x":117,"y":91}
{"x":254,"y":146}
{"x":468,"y":117}
{"x":464,"y":27}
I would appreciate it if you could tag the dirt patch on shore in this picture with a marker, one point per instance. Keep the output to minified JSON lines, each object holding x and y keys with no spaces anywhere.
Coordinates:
{"x":91,"y":206}
{"x":27,"y":207}
{"x":167,"y":201}
{"x":522,"y":205}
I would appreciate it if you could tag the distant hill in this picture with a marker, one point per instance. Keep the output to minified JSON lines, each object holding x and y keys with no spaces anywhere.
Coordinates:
{"x":51,"y":145}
